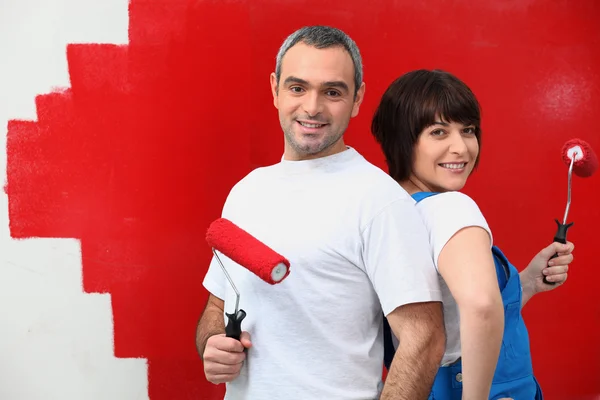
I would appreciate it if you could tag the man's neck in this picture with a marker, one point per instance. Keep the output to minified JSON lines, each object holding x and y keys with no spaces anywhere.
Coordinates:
{"x":291,"y":155}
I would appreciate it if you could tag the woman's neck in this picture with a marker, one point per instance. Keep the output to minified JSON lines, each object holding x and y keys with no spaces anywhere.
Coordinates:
{"x":413,"y":185}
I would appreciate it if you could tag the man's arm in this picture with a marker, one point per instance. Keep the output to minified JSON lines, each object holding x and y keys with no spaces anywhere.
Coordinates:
{"x":210,"y":324}
{"x":222,"y":356}
{"x":420,"y":330}
{"x":397,"y":256}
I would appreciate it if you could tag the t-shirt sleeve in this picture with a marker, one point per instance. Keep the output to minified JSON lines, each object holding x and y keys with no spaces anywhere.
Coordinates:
{"x":447,"y":213}
{"x":214,"y":280}
{"x":397,"y":257}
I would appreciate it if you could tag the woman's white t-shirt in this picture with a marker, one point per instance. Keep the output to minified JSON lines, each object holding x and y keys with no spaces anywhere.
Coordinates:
{"x":445,"y":214}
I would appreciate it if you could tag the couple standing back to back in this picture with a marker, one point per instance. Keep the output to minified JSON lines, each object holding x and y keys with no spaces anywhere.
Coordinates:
{"x":404,"y":250}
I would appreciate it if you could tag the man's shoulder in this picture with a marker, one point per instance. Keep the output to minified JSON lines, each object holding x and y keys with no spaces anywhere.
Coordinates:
{"x":370,"y":191}
{"x":255,"y":176}
{"x":375,"y":182}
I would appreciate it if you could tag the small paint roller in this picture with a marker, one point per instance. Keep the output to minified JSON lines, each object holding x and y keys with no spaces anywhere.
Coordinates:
{"x":581,"y":160}
{"x":238,"y":245}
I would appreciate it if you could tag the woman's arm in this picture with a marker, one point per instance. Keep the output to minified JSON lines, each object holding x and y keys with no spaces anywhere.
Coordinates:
{"x":466,"y":263}
{"x":541,"y":265}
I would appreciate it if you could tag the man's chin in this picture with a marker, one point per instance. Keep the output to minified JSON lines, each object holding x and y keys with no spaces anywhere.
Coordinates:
{"x":310,"y":150}
{"x":310,"y":145}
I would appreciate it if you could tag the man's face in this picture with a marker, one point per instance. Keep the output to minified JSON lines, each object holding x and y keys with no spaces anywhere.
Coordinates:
{"x":315,"y":99}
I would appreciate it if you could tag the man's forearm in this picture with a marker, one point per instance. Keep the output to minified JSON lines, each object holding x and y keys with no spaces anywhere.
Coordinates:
{"x":414,"y":368}
{"x":420,"y":330}
{"x":210,"y":324}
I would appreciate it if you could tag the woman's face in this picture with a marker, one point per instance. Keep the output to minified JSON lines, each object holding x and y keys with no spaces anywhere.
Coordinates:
{"x":444,"y":156}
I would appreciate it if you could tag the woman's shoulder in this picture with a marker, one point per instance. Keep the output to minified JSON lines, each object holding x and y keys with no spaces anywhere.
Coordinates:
{"x":457,"y":202}
{"x":446,"y":214}
{"x":450,"y":211}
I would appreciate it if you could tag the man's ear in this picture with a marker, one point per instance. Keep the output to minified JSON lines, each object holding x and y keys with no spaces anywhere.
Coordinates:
{"x":360,"y":95}
{"x":274,"y":89}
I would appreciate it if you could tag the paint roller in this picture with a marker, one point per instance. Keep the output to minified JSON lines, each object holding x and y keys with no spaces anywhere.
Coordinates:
{"x":239,"y":246}
{"x":582,"y":161}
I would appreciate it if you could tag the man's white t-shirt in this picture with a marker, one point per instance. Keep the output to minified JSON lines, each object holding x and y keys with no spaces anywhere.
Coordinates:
{"x":444,"y":215}
{"x":356,"y":245}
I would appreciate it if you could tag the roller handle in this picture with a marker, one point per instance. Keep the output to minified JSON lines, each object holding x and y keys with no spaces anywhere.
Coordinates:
{"x":560,"y":237}
{"x":234,"y":324}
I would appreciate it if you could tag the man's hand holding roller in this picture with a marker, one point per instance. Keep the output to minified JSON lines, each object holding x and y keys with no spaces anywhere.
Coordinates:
{"x":222,"y":356}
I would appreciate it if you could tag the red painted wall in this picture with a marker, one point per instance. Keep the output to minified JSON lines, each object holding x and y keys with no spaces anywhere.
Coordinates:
{"x":138,"y":156}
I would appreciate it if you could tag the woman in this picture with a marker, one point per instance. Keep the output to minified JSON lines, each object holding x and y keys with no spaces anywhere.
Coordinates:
{"x":428,"y":125}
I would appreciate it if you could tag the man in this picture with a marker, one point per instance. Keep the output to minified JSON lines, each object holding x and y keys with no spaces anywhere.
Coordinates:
{"x":355,"y":242}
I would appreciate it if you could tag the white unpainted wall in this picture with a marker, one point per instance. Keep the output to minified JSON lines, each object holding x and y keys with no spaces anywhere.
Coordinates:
{"x":56,"y":342}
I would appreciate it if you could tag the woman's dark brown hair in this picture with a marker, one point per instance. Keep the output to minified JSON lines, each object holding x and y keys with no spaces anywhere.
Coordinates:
{"x":412,"y":103}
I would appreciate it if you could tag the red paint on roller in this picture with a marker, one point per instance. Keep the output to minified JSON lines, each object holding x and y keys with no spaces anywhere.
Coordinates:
{"x":243,"y":248}
{"x":584,"y":166}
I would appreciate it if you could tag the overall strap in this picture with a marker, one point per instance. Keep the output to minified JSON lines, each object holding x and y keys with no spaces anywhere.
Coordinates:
{"x":422,"y":195}
{"x":502,"y":268}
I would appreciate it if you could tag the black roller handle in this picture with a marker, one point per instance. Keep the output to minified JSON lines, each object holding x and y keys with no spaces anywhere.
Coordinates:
{"x":560,"y":237}
{"x":234,"y":324}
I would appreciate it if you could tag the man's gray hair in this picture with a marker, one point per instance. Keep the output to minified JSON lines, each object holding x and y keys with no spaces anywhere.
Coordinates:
{"x":322,"y":37}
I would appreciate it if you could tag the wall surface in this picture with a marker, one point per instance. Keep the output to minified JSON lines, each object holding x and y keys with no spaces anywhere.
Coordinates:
{"x":128,"y":122}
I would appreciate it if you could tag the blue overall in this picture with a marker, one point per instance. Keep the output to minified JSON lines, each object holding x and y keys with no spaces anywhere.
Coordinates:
{"x":514,"y":372}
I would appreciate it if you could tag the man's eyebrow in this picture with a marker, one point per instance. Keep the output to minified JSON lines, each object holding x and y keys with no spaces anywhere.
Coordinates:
{"x":293,"y":79}
{"x":335,"y":84}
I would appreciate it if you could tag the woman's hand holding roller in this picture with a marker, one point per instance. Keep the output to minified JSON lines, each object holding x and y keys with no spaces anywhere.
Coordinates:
{"x":554,"y":269}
